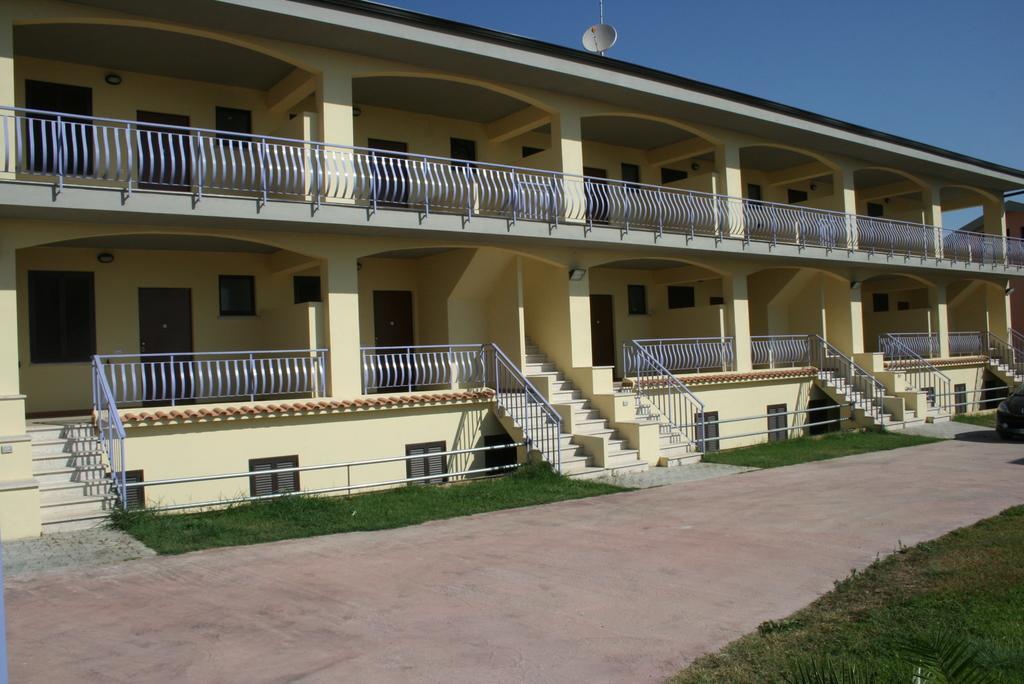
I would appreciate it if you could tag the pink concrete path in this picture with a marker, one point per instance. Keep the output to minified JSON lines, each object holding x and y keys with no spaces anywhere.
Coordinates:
{"x":623,"y":588}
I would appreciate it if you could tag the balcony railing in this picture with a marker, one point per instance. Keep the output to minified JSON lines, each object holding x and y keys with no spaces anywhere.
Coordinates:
{"x":909,"y":345}
{"x":129,"y":155}
{"x":171,"y":379}
{"x":780,"y":351}
{"x":685,"y":354}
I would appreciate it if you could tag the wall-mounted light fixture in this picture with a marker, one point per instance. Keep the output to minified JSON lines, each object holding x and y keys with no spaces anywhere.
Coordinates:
{"x":1009,"y":290}
{"x":105,"y":258}
{"x":814,"y":186}
{"x":854,"y":284}
{"x":576,"y":274}
{"x":356,"y":111}
{"x":112,"y":79}
{"x":695,"y":166}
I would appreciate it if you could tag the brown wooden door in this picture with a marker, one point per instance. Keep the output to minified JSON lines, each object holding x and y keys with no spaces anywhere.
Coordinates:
{"x":165,"y":154}
{"x":392,"y":318}
{"x":390,"y":173}
{"x":602,"y":330}
{"x":165,"y":327}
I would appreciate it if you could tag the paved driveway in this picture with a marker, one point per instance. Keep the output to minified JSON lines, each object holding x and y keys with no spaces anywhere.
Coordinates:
{"x":623,"y":588}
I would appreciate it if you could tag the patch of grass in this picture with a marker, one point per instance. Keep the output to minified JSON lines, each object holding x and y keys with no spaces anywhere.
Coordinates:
{"x":307,"y":516}
{"x":969,"y":583}
{"x":805,"y":449}
{"x":986,"y":419}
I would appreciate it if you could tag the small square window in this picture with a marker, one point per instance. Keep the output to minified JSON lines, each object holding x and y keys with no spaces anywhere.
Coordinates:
{"x":630,"y":173}
{"x":880,"y":302}
{"x":680,"y":297}
{"x":796,"y":196}
{"x":672,"y":175}
{"x":306,"y":289}
{"x":875,"y":209}
{"x":716,"y":301}
{"x":754,"y":192}
{"x":903,"y":306}
{"x":530,"y":151}
{"x":637,"y":299}
{"x":237,"y":295}
{"x":273,"y":482}
{"x":230,"y":120}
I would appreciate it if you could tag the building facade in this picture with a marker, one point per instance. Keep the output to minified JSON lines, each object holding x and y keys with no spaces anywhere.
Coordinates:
{"x":337,"y":246}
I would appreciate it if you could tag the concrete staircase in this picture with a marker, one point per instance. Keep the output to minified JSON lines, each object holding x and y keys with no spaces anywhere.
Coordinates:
{"x":586,"y":432}
{"x":836,"y":386}
{"x":74,"y":487}
{"x":1005,"y":372}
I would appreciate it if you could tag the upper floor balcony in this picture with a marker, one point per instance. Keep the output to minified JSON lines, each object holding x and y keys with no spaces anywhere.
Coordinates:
{"x":65,"y":150}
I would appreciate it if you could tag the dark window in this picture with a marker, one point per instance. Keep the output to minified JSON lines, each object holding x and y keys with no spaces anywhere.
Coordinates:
{"x":631,"y":173}
{"x":960,"y":397}
{"x":680,"y":297}
{"x":754,"y":192}
{"x":637,"y":299}
{"x":273,"y":482}
{"x":993,"y":392}
{"x":431,"y":462}
{"x":903,"y":306}
{"x":709,"y":434}
{"x":875,"y":209}
{"x":135,"y":496}
{"x":823,"y":411}
{"x":880,"y":301}
{"x":499,"y":457}
{"x":796,"y":196}
{"x":672,"y":175}
{"x":530,"y":151}
{"x":462,"y":149}
{"x":237,"y":295}
{"x":62,"y":316}
{"x":306,"y":289}
{"x":716,"y":301}
{"x":42,"y":128}
{"x":233,"y":121}
{"x":777,"y":422}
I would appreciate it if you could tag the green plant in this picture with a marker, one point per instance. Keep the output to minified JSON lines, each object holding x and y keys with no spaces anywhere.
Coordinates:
{"x":945,"y":658}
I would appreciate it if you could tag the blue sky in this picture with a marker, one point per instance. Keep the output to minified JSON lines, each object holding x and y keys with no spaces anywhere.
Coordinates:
{"x":945,"y":72}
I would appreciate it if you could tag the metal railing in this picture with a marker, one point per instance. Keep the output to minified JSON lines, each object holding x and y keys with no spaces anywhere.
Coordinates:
{"x":195,"y":376}
{"x":905,"y":345}
{"x":662,"y":396}
{"x":780,"y":351}
{"x":784,"y":431}
{"x":967,"y":344}
{"x":1002,"y":352}
{"x":424,"y":367}
{"x":349,"y":487}
{"x":918,"y":372}
{"x":688,"y":354}
{"x":1017,"y":341}
{"x":132,"y":155}
{"x":109,"y":429}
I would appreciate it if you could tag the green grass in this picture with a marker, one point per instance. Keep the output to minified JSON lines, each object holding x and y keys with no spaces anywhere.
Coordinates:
{"x":987,"y":419}
{"x":969,"y":582}
{"x":306,"y":516}
{"x":806,"y":449}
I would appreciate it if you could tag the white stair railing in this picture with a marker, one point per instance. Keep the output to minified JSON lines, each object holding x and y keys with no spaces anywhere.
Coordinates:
{"x":664,"y":397}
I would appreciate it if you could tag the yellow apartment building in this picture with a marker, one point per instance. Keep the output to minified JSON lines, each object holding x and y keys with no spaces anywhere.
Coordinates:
{"x":334,"y":246}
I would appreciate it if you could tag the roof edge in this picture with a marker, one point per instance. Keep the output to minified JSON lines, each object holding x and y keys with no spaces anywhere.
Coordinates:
{"x":512,"y":40}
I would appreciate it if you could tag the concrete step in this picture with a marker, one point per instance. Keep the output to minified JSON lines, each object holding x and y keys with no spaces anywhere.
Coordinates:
{"x":589,"y":473}
{"x":80,"y":521}
{"x":55,"y":461}
{"x":64,"y":508}
{"x":62,"y":492}
{"x":591,"y":426}
{"x":565,"y":396}
{"x":58,"y":446}
{"x":678,"y":458}
{"x":538,"y":368}
{"x":59,"y":475}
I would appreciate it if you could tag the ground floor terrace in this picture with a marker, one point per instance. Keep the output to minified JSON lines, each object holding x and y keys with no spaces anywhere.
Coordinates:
{"x":193,"y":366}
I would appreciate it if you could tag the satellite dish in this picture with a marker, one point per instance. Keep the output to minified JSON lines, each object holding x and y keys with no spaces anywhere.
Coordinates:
{"x":599,"y":37}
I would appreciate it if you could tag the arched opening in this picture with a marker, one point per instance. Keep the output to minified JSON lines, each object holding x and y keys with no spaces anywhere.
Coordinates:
{"x":638,"y":149}
{"x":446,"y":117}
{"x":140,"y":300}
{"x":136,"y":72}
{"x":890,"y":194}
{"x":674,"y":302}
{"x":786,"y":175}
{"x":902,"y":306}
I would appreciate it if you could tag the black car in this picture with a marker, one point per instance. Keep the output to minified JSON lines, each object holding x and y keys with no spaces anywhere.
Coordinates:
{"x":1010,"y":415}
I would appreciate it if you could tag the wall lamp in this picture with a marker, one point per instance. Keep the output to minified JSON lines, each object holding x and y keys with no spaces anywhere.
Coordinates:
{"x":112,"y":79}
{"x":105,"y":258}
{"x":854,"y":284}
{"x":356,"y":111}
{"x":695,"y":166}
{"x":1009,"y":290}
{"x":576,"y":274}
